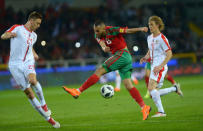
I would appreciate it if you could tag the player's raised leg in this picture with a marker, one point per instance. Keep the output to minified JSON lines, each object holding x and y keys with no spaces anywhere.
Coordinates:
{"x":89,"y":82}
{"x":175,"y":88}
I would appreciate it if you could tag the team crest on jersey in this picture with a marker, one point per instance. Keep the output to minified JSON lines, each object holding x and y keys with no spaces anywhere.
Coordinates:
{"x":121,"y":30}
{"x":156,"y":41}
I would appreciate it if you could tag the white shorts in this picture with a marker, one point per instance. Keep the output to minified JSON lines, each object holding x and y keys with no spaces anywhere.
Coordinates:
{"x":159,"y":78}
{"x":20,"y":73}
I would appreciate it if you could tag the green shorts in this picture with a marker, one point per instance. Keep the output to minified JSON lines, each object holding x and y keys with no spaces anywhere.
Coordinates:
{"x":148,"y":66}
{"x":121,"y":61}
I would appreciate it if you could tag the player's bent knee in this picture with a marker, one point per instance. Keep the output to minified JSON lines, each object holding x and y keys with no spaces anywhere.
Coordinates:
{"x":33,"y":81}
{"x":100,"y":71}
{"x":152,"y":85}
{"x":29,"y":93}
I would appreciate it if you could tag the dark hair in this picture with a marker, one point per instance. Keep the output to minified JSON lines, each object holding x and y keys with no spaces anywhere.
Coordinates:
{"x":98,"y":22}
{"x":34,"y":15}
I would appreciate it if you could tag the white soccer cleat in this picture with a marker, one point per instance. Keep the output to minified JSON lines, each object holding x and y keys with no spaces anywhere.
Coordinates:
{"x":56,"y":125}
{"x":159,"y":114}
{"x":178,"y":90}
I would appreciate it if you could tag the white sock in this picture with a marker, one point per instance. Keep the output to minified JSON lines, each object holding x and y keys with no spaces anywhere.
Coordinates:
{"x":78,"y":90}
{"x":118,"y":81}
{"x":157,"y":100}
{"x":38,"y":90}
{"x":166,"y":90}
{"x":35,"y":103}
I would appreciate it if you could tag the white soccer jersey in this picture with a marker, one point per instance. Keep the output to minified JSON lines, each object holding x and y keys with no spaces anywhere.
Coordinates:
{"x":158,"y":46}
{"x":21,"y":45}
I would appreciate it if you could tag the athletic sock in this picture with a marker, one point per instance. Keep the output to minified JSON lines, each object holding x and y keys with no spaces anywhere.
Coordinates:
{"x":157,"y":100}
{"x":89,"y":82}
{"x":146,"y":81}
{"x":38,"y":90}
{"x":166,"y":90}
{"x":137,"y":97}
{"x":35,"y":103}
{"x":51,"y":121}
{"x":45,"y":107}
{"x":118,"y":81}
{"x":170,"y":78}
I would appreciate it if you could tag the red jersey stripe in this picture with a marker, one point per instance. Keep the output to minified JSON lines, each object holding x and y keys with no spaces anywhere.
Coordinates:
{"x":116,"y":59}
{"x":12,"y":28}
{"x":26,"y":53}
{"x":160,"y":75}
{"x":164,"y":38}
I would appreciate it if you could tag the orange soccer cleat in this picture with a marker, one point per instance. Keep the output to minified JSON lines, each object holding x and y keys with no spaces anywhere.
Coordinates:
{"x":74,"y":92}
{"x":117,"y":89}
{"x":135,"y":81}
{"x":145,"y":111}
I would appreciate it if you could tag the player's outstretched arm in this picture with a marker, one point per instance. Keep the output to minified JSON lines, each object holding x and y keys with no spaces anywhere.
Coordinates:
{"x":145,"y":58}
{"x":134,"y":30}
{"x":8,"y":35}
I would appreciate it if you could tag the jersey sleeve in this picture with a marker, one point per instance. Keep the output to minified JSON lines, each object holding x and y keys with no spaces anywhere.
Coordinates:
{"x":13,"y":29}
{"x":165,"y":45}
{"x":117,"y":30}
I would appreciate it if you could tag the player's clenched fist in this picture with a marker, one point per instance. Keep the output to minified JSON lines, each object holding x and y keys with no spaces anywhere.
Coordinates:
{"x":144,"y":29}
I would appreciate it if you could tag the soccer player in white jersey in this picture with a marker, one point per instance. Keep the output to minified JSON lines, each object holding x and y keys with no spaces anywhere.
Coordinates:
{"x":21,"y":63}
{"x":160,"y":53}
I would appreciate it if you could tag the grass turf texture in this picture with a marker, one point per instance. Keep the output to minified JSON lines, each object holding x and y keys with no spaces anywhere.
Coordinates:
{"x":93,"y":112}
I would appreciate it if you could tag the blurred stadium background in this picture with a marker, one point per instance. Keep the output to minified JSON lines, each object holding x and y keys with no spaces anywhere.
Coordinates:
{"x":72,"y":54}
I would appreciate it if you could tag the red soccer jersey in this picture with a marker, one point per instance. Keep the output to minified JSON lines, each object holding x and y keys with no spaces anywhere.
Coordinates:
{"x":114,"y":38}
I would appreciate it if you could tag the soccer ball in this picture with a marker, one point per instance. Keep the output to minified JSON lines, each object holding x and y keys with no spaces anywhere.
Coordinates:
{"x":107,"y":91}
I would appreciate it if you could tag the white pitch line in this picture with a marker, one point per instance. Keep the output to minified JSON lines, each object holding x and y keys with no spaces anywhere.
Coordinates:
{"x":115,"y":123}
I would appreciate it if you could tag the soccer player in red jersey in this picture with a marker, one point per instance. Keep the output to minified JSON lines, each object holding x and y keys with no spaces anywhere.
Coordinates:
{"x":111,"y":40}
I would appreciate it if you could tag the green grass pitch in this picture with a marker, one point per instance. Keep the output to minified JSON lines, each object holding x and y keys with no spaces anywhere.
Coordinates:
{"x":92,"y":112}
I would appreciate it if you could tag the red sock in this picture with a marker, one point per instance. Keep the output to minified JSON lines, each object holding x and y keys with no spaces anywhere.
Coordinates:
{"x":147,"y":80}
{"x":89,"y":82}
{"x":51,"y":121}
{"x":170,"y":78}
{"x":45,"y":107}
{"x":136,"y":95}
